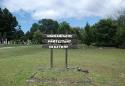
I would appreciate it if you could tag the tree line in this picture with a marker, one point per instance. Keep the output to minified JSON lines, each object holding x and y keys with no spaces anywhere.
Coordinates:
{"x":9,"y":28}
{"x":106,"y":32}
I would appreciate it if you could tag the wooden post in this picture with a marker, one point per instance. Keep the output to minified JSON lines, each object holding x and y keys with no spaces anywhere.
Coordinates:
{"x":51,"y":55}
{"x":51,"y":58}
{"x":66,"y":57}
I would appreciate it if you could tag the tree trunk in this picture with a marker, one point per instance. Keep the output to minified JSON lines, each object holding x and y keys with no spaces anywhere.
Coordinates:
{"x":3,"y":38}
{"x":0,"y":38}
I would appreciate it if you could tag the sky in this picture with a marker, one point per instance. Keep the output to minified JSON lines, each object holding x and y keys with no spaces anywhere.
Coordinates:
{"x":76,"y":12}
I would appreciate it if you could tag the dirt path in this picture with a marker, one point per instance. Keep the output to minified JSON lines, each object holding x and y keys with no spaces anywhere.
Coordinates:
{"x":6,"y":47}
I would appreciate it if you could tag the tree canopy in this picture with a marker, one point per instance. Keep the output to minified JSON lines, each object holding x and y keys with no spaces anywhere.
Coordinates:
{"x":8,"y":23}
{"x":106,"y":32}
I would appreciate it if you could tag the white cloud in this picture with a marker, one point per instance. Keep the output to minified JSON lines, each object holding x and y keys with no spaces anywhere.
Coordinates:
{"x":58,"y":9}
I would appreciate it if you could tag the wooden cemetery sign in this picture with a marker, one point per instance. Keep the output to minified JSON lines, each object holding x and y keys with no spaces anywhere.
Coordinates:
{"x":59,"y":41}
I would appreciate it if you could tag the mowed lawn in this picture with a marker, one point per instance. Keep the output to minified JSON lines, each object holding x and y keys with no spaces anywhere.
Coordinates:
{"x":106,"y":65}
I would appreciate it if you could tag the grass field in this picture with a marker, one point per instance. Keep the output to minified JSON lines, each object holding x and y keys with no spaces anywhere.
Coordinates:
{"x":106,"y":66}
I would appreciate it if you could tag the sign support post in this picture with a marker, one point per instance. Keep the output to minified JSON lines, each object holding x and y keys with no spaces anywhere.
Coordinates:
{"x":51,"y":58}
{"x":66,"y":57}
{"x":51,"y":55}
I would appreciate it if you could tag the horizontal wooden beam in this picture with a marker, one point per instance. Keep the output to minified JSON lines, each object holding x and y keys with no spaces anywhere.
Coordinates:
{"x":60,"y":41}
{"x":67,"y":36}
{"x":59,"y":46}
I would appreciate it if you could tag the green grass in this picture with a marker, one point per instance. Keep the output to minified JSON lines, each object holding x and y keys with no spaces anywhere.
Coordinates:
{"x":106,"y":66}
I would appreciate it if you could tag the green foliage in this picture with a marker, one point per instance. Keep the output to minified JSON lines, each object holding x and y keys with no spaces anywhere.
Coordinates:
{"x":33,"y":29}
{"x":19,"y":34}
{"x":64,"y":27}
{"x":28,"y":35}
{"x":87,"y":36}
{"x":120,"y":37}
{"x":43,"y":26}
{"x":48,"y":26}
{"x":79,"y":33}
{"x":121,"y":20}
{"x":37,"y":37}
{"x":105,"y":31}
{"x":8,"y":23}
